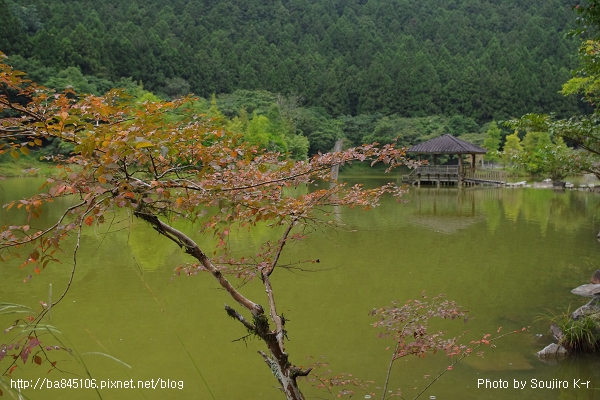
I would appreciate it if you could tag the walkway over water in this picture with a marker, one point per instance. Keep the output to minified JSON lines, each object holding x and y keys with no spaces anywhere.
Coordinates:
{"x":449,"y":175}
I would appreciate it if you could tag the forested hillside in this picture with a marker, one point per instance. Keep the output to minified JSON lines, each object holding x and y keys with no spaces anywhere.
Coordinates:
{"x":482,"y":59}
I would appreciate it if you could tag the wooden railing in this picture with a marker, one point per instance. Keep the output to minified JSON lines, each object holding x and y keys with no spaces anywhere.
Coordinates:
{"x":449,"y":173}
{"x":484,"y":174}
{"x":467,"y":172}
{"x":436,"y":170}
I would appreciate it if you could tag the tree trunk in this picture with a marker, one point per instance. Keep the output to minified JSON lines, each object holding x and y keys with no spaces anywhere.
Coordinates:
{"x":285,"y":372}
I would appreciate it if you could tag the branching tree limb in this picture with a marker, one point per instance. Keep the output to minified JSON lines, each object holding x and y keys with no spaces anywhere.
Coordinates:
{"x":163,"y":162}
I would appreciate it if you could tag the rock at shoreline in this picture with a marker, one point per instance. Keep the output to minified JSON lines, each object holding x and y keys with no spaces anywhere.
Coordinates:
{"x":587,"y":290}
{"x":591,"y":308}
{"x":552,"y":350}
{"x":557,"y":332}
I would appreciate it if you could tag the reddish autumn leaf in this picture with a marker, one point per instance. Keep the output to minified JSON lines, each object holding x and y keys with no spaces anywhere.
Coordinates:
{"x":35,"y":255}
{"x":89,"y":220}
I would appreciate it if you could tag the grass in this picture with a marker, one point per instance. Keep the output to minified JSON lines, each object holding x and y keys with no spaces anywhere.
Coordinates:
{"x":26,"y":166}
{"x":580,"y":335}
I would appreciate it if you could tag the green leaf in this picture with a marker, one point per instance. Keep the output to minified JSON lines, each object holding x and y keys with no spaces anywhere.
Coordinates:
{"x":143,"y":144}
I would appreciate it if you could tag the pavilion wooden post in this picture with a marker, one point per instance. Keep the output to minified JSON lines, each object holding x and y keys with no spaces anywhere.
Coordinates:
{"x":460,"y":168}
{"x":418,"y":174}
{"x":438,"y":174}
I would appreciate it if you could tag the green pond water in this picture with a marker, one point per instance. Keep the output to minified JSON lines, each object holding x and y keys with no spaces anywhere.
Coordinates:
{"x":507,"y":255}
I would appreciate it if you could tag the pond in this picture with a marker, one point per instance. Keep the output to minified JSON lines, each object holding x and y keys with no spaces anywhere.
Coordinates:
{"x":506,"y":255}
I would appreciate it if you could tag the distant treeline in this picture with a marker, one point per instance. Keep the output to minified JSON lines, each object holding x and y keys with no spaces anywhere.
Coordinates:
{"x":482,"y":59}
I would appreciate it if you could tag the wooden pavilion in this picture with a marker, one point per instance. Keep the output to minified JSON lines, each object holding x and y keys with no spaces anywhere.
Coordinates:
{"x":449,"y":174}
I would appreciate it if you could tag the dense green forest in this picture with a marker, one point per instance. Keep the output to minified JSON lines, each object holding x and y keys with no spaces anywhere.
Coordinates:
{"x":354,"y":68}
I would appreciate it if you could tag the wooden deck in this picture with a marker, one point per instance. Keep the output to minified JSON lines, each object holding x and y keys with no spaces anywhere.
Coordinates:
{"x":445,"y":175}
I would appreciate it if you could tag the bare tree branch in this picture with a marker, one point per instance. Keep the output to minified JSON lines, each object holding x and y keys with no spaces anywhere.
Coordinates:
{"x":192,"y":249}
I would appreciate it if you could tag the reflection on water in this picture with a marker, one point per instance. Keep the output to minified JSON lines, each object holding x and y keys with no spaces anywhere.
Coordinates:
{"x":445,"y":210}
{"x":507,"y":255}
{"x":448,"y":210}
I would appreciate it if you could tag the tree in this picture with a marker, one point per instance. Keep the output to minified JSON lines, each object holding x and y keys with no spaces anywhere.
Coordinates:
{"x":72,"y":77}
{"x":539,"y":154}
{"x":536,"y":140}
{"x":12,"y":35}
{"x":163,"y":162}
{"x":176,"y":87}
{"x":414,"y":60}
{"x":555,"y":160}
{"x":512,"y":147}
{"x":384,"y":132}
{"x":492,"y":142}
{"x":582,"y":130}
{"x":321,"y":131}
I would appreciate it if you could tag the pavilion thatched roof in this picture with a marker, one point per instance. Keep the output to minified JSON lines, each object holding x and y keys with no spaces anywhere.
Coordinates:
{"x":447,"y":144}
